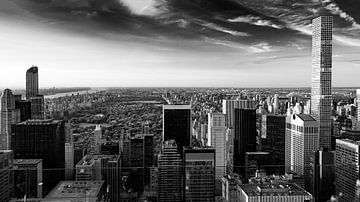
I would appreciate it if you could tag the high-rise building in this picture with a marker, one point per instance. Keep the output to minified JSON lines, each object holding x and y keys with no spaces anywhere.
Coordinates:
{"x":69,"y":161}
{"x":97,"y":139}
{"x":229,"y":106}
{"x":37,"y":107}
{"x":6,"y":112}
{"x":41,"y":139}
{"x":113,"y":177}
{"x":347,"y":169}
{"x":321,"y":60}
{"x":358,"y":108}
{"x":25,"y":109}
{"x":6,"y":180}
{"x":302,"y":137}
{"x":322,"y":175}
{"x":273,"y":141}
{"x":145,"y":128}
{"x":229,"y":135}
{"x":177,"y":124}
{"x":276,"y":104}
{"x":170,"y":181}
{"x":255,"y":161}
{"x":32,"y":82}
{"x":28,"y":178}
{"x":272,"y":192}
{"x":199,"y":167}
{"x":217,"y":139}
{"x":244,"y":137}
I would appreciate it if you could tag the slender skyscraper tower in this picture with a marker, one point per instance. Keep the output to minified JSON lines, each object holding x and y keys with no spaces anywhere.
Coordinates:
{"x":6,"y":111}
{"x":32,"y":82}
{"x":321,"y":77}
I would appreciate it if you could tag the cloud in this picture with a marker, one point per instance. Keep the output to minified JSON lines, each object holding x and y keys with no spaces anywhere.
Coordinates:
{"x":335,"y":10}
{"x":142,"y":7}
{"x":254,"y":20}
{"x":223,"y":29}
{"x":261,"y":47}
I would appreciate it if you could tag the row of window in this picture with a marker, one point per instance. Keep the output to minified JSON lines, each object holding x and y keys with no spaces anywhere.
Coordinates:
{"x":302,"y":129}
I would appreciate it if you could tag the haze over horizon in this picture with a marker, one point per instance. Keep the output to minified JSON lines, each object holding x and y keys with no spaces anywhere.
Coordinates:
{"x":172,"y":43}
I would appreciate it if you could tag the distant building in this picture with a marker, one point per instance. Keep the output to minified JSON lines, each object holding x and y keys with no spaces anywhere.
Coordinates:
{"x":32,"y":82}
{"x":74,"y":191}
{"x":69,"y":161}
{"x":6,"y":181}
{"x":302,"y":137}
{"x":41,"y":139}
{"x":244,"y":137}
{"x":273,"y":141}
{"x":322,"y":175}
{"x":25,"y":109}
{"x":113,"y":175}
{"x":170,"y":181}
{"x":199,"y":167}
{"x":217,"y":139}
{"x":37,"y":107}
{"x":28,"y":178}
{"x":347,"y":167}
{"x":7,"y":106}
{"x":321,"y":60}
{"x":177,"y":124}
{"x":272,"y":192}
{"x":229,"y":107}
{"x":97,"y":139}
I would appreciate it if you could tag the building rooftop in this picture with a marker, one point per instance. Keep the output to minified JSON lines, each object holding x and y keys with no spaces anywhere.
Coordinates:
{"x":306,"y":117}
{"x":33,"y":69}
{"x":39,"y":122}
{"x":90,"y":159}
{"x":27,"y":161}
{"x":288,"y":189}
{"x":76,"y":189}
{"x":176,"y":106}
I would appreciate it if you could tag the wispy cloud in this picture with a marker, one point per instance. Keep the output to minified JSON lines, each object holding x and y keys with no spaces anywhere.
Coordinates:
{"x":224,"y":30}
{"x":254,"y":20}
{"x":335,"y":10}
{"x":261,"y":47}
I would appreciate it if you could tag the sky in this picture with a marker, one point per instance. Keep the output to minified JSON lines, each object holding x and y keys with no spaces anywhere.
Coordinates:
{"x":173,"y":43}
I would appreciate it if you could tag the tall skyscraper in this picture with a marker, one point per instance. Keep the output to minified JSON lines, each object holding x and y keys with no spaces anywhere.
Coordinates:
{"x":199,"y":167}
{"x":41,"y":139}
{"x":6,"y":179}
{"x":32,"y":82}
{"x":358,"y":108}
{"x":347,"y":156}
{"x":37,"y":107}
{"x":276,"y":104}
{"x":273,"y":141}
{"x":302,"y":137}
{"x":69,"y":161}
{"x":113,"y":177}
{"x":322,"y":175}
{"x":321,"y":97}
{"x":244,"y":137}
{"x":170,"y":181}
{"x":217,"y":139}
{"x":177,"y":124}
{"x":229,"y":107}
{"x":97,"y":139}
{"x":6,"y":111}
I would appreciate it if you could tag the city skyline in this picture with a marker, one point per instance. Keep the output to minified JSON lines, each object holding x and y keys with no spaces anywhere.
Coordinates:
{"x":122,"y":43}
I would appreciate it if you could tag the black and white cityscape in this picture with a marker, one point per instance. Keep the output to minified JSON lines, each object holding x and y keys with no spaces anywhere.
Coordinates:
{"x":179,"y":100}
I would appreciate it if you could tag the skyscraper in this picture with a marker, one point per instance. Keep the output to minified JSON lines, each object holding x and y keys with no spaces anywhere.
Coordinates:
{"x":37,"y":107}
{"x":41,"y":139}
{"x":217,"y":139}
{"x":347,"y":169}
{"x":199,"y":167}
{"x":6,"y":111}
{"x":177,"y":124}
{"x":276,"y":104}
{"x":229,"y":107}
{"x":28,"y":178}
{"x":358,"y":108}
{"x":170,"y":181}
{"x":302,"y":137}
{"x":321,"y":77}
{"x":97,"y":139}
{"x":32,"y":82}
{"x":6,"y":181}
{"x":244,"y":137}
{"x":273,"y":141}
{"x":69,"y":161}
